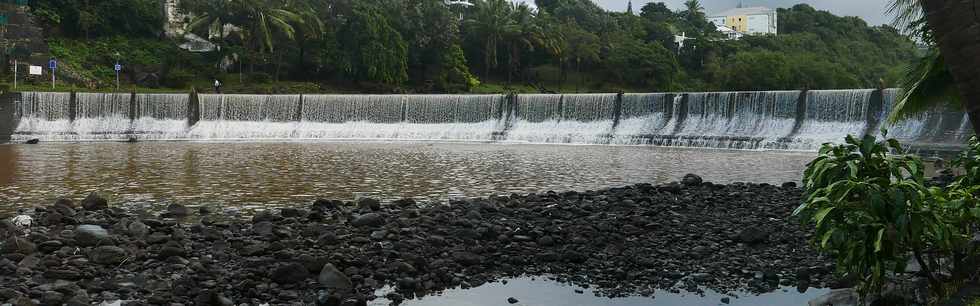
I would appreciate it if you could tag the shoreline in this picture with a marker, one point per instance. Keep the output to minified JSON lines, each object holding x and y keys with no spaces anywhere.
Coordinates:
{"x":631,"y":240}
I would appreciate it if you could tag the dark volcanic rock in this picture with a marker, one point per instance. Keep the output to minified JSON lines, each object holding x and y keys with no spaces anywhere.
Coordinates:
{"x":616,"y":241}
{"x":289,"y":273}
{"x":176,"y":211}
{"x":17,"y":245}
{"x":369,"y":219}
{"x":753,"y":234}
{"x":107,"y":255}
{"x":94,"y":202}
{"x":691,"y":180}
{"x":330,"y":277}
{"x":368,"y":204}
{"x":91,"y":235}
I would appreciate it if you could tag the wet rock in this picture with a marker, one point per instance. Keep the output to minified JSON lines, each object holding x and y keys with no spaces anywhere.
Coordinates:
{"x":368,"y":204}
{"x":322,"y":206}
{"x":52,"y":298}
{"x":404,"y":203}
{"x":330,"y":277}
{"x":369,"y":219}
{"x":726,"y":300}
{"x":94,"y":202}
{"x":107,"y":255}
{"x":264,"y":216}
{"x":17,"y":245}
{"x":691,"y":180}
{"x":290,"y":213}
{"x":137,"y":229}
{"x":33,"y":141}
{"x":66,"y":274}
{"x":289,"y":273}
{"x":512,"y":300}
{"x":789,"y":185}
{"x":176,"y":211}
{"x":91,"y":235}
{"x":204,"y":210}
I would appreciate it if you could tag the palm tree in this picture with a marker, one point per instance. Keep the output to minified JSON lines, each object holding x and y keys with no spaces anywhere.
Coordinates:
{"x":526,"y":36}
{"x":260,"y":21}
{"x":491,"y":22}
{"x":951,"y":75}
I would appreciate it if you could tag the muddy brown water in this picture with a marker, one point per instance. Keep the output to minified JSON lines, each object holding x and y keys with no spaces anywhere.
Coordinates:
{"x":259,"y":175}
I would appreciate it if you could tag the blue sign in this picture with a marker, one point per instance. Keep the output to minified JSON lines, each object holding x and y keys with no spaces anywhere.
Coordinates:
{"x":118,"y":67}
{"x":53,"y":64}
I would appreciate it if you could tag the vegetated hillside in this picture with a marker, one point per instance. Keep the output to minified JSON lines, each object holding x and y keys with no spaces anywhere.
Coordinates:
{"x":425,"y":46}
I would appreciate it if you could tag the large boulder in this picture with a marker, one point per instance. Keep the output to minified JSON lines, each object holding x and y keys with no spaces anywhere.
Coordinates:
{"x":94,"y":202}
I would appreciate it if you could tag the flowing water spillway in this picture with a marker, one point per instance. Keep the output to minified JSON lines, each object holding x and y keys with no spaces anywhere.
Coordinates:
{"x":775,"y":120}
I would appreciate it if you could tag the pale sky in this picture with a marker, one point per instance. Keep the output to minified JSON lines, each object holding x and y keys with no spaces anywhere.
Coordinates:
{"x":872,"y":11}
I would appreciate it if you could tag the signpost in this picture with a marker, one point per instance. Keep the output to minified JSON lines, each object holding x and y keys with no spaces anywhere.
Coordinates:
{"x":15,"y":74}
{"x":118,"y":68}
{"x":53,"y":65}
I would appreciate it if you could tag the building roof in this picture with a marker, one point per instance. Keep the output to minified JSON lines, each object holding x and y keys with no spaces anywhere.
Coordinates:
{"x":758,"y":10}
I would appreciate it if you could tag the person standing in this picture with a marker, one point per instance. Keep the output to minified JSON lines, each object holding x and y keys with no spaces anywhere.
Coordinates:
{"x":217,"y":86}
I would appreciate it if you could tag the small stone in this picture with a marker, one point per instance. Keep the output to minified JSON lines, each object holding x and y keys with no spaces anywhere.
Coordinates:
{"x":753,"y":234}
{"x":177,"y":211}
{"x":691,"y":180}
{"x":94,"y":202}
{"x":789,"y":185}
{"x":726,"y":300}
{"x":331,"y":277}
{"x":289,"y":273}
{"x":290,"y":213}
{"x":368,"y":204}
{"x":108,"y":255}
{"x":17,"y":245}
{"x":91,"y":235}
{"x":370,"y":219}
{"x":512,"y":300}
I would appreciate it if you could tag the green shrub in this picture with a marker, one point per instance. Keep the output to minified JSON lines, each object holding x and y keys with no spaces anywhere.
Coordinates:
{"x":259,"y":77}
{"x":873,"y":212}
{"x":177,"y":78}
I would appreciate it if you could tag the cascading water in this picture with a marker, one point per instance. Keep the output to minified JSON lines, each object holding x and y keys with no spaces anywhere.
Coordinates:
{"x":246,"y":117}
{"x":734,"y":120}
{"x":418,"y":117}
{"x":101,"y":116}
{"x":940,"y":125}
{"x":581,"y":118}
{"x":644,"y":115}
{"x":830,"y":116}
{"x":738,"y":120}
{"x":161,"y":116}
{"x":43,"y":114}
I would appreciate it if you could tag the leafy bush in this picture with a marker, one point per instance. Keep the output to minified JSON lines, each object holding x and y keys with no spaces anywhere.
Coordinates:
{"x":178,"y":78}
{"x":259,"y":77}
{"x":873,"y":212}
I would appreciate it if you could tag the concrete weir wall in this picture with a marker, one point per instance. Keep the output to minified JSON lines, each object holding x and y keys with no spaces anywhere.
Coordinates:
{"x":8,"y":120}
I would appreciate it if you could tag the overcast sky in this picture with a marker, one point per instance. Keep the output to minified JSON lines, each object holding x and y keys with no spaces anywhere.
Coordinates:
{"x":872,"y":11}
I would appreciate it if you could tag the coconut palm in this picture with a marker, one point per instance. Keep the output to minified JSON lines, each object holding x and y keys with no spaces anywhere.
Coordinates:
{"x":949,"y":75}
{"x":526,"y":36}
{"x":260,"y":21}
{"x":491,"y":22}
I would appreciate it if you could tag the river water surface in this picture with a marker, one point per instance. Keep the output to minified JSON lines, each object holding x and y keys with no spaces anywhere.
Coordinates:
{"x":252,"y":175}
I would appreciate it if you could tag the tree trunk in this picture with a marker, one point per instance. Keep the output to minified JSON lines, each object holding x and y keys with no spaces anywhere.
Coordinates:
{"x":957,"y":26}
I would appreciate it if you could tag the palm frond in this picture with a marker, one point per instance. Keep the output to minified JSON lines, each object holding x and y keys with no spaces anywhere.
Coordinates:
{"x":927,"y":85}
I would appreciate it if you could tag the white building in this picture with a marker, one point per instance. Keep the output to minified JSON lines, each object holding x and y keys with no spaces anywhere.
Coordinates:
{"x":749,"y":20}
{"x":729,"y":32}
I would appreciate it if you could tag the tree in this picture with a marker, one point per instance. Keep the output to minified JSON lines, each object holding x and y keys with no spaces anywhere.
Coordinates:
{"x":526,"y":36}
{"x":582,"y":46}
{"x":373,"y":49}
{"x":951,"y":26}
{"x":491,"y":22}
{"x":645,"y":65}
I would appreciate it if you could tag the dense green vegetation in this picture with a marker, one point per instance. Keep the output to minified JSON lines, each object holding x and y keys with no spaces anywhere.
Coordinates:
{"x":493,"y":45}
{"x":875,"y":213}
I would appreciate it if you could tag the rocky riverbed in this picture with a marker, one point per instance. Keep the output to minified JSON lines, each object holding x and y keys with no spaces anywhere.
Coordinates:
{"x":620,"y":241}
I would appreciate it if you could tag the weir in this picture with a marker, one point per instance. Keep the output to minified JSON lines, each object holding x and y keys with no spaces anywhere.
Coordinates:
{"x":777,"y":120}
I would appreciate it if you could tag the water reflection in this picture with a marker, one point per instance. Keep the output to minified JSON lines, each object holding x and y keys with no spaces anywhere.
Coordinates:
{"x":544,"y":292}
{"x":261,"y":174}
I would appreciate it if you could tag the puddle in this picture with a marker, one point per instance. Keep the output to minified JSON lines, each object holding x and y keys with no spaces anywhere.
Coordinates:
{"x":538,"y":291}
